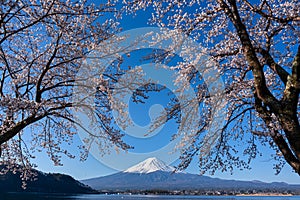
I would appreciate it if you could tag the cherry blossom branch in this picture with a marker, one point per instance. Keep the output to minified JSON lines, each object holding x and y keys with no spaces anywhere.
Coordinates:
{"x":282,"y":73}
{"x":47,"y":67}
{"x":286,"y":151}
{"x":270,"y":16}
{"x":10,"y":133}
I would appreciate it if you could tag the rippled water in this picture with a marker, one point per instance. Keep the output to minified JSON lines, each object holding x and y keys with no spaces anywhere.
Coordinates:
{"x":17,"y":196}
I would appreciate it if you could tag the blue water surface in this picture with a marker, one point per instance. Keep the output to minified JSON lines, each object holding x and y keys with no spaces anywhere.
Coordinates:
{"x":19,"y":196}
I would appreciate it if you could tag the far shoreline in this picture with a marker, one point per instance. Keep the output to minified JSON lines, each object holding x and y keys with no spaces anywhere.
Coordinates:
{"x":266,"y":194}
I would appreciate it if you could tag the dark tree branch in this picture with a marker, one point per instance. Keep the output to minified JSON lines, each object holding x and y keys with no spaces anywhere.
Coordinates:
{"x":286,"y":152}
{"x":259,"y":78}
{"x":282,"y":73}
{"x":270,"y":16}
{"x":46,"y":69}
{"x":13,"y":131}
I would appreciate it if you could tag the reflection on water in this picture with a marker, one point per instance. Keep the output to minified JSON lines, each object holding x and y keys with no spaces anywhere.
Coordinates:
{"x":18,"y":196}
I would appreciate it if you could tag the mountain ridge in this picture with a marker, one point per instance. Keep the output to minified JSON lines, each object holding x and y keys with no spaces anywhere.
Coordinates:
{"x":44,"y":183}
{"x":129,"y":180}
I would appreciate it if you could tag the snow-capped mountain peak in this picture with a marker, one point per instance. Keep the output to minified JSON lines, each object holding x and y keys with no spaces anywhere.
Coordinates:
{"x":149,"y":165}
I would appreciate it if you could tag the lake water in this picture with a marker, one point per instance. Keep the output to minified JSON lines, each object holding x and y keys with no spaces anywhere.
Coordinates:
{"x":135,"y":197}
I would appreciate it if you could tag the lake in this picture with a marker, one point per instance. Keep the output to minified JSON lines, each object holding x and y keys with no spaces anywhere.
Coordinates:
{"x":18,"y":196}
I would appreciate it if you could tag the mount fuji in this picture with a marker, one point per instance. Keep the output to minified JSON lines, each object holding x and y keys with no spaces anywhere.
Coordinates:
{"x":149,"y":165}
{"x":154,"y":174}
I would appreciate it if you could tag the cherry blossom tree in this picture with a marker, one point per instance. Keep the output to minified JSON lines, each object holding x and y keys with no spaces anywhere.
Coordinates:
{"x":42,"y":44}
{"x":257,"y":48}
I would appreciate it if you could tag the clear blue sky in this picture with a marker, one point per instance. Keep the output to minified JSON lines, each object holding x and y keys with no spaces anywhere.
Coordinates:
{"x":262,"y":167}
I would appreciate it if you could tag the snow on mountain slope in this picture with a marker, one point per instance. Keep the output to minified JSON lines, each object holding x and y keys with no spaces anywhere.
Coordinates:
{"x":149,"y":165}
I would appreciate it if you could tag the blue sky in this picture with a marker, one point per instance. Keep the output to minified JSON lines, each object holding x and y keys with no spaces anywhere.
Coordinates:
{"x":262,"y":167}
